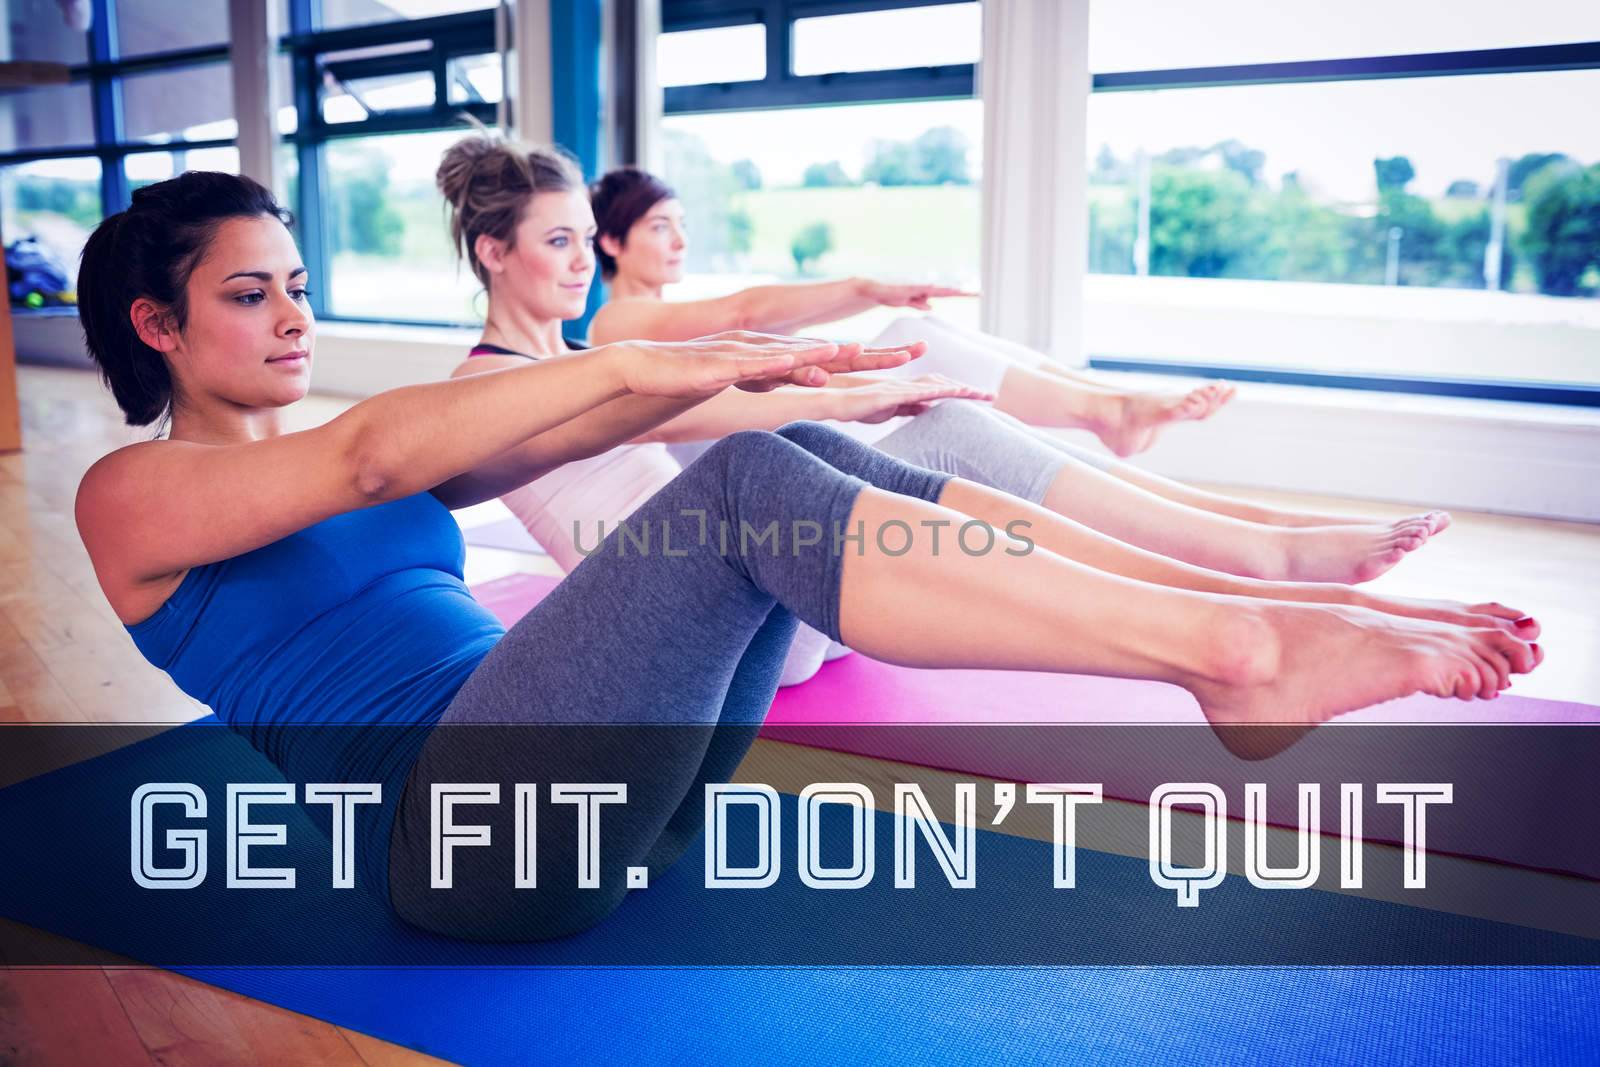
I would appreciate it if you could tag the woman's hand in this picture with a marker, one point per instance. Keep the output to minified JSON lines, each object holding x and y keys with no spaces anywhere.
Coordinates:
{"x":755,"y":362}
{"x":850,"y":359}
{"x":909,"y":296}
{"x":882,"y":400}
{"x":701,"y":368}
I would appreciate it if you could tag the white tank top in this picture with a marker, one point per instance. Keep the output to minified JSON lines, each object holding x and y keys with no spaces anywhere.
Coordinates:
{"x":570,"y":510}
{"x":565,"y":509}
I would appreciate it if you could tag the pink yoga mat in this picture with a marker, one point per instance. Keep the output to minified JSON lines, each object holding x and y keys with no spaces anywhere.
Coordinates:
{"x":850,"y":701}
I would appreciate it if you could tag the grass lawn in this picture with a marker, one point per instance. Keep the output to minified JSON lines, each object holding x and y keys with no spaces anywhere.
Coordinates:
{"x":926,"y":232}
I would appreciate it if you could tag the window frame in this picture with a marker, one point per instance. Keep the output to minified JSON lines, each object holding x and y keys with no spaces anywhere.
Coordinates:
{"x":104,"y":73}
{"x":1528,"y":59}
{"x":453,"y":35}
{"x":782,"y":88}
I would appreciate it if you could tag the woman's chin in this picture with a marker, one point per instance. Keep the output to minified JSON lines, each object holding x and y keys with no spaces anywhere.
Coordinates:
{"x":290,"y":392}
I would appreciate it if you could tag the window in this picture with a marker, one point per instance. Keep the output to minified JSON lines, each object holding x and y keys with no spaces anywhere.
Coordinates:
{"x":475,"y":79}
{"x":146,"y":26}
{"x":1141,"y":35}
{"x":885,"y":186}
{"x":1404,"y":220}
{"x":716,"y":56}
{"x":41,"y":31}
{"x":721,"y":54}
{"x":339,"y":14}
{"x":375,"y":108}
{"x":147,"y":168}
{"x":54,"y":202}
{"x":387,"y":232}
{"x":191,"y":104}
{"x":124,"y":95}
{"x":888,"y":40}
{"x":51,"y":116}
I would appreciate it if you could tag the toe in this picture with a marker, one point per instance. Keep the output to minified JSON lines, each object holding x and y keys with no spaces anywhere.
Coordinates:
{"x":1519,"y":655}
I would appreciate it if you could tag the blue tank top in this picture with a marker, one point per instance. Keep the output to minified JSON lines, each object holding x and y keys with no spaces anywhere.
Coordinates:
{"x":362,"y":619}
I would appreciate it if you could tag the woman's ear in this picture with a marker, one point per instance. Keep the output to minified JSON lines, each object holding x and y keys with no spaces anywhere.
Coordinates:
{"x":153,"y":325}
{"x":609,"y":245}
{"x":491,"y":252}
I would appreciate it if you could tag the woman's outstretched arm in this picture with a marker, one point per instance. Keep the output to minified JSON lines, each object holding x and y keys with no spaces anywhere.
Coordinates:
{"x":149,"y":512}
{"x":786,"y":308}
{"x":752,"y":406}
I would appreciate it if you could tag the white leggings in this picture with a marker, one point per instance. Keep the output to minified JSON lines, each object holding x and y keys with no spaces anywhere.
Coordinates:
{"x":956,"y":352}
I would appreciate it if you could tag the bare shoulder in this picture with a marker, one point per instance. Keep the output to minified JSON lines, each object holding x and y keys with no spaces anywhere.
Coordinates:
{"x":116,"y":477}
{"x":112,"y":491}
{"x":625,"y":319}
{"x":480,"y":364}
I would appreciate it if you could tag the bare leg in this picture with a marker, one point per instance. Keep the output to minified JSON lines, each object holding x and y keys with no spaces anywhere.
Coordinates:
{"x":1246,"y":661}
{"x":1075,"y":541}
{"x":1218,"y":503}
{"x":1126,"y":420}
{"x":1128,"y":513}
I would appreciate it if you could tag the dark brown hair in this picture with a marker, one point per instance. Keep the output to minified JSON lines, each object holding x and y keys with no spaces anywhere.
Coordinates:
{"x":620,"y":199}
{"x":149,"y":251}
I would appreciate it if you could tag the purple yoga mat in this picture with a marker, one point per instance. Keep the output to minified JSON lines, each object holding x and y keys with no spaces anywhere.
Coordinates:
{"x":846,"y":706}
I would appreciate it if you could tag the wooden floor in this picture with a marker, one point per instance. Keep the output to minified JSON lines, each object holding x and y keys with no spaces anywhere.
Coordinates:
{"x":65,"y":658}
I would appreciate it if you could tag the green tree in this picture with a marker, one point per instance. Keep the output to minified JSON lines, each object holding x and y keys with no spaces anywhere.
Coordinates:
{"x":810,"y":244}
{"x":1242,"y":160}
{"x":368,"y":222}
{"x":824,"y":175}
{"x":1462,"y":189}
{"x":1525,"y":167}
{"x":1421,"y":234}
{"x":1393,"y":173}
{"x":746,"y":174}
{"x":940,"y":156}
{"x":1202,"y":224}
{"x":1108,"y":169}
{"x":740,"y":231}
{"x":1462,"y":247}
{"x":1305,"y":240}
{"x":1562,"y":238}
{"x":891,"y":163}
{"x":706,"y":188}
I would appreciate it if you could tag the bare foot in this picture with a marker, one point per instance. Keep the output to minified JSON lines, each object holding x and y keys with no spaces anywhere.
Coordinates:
{"x":1350,"y":554}
{"x":1284,"y":668}
{"x":1436,"y":521}
{"x":1490,"y":613}
{"x":1216,"y":394}
{"x":1130,"y":421}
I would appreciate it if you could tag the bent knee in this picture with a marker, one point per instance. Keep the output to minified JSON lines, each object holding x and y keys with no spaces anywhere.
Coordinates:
{"x":959,"y":416}
{"x":811,"y":435}
{"x":742,"y":447}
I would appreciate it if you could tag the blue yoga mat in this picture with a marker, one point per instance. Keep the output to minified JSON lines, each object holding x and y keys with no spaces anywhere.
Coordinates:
{"x":539,"y":1003}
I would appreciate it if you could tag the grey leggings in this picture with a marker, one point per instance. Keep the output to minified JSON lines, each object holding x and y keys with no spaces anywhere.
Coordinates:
{"x":967,"y":440}
{"x":657,"y":669}
{"x":973,"y":441}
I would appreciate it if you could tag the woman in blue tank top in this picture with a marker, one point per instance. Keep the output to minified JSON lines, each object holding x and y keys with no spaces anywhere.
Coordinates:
{"x":308,"y":584}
